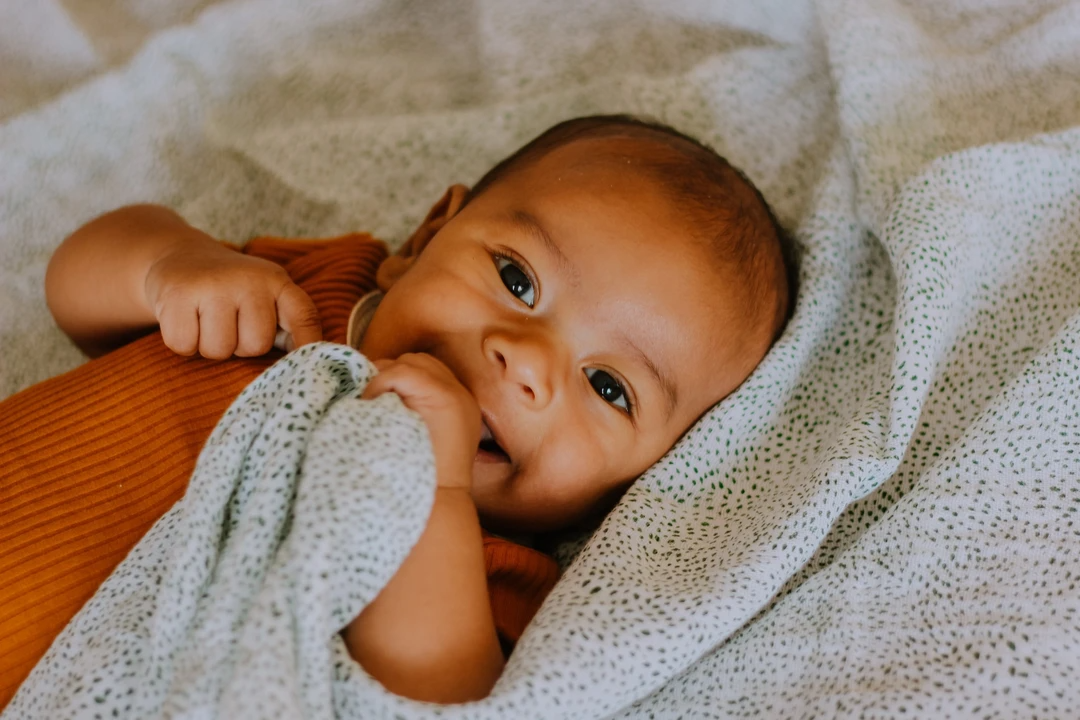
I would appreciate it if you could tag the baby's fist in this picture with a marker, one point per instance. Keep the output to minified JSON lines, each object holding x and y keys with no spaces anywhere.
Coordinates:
{"x":218,"y":302}
{"x":450,"y":412}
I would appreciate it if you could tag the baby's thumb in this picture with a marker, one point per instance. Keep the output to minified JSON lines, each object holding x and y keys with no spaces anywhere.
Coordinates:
{"x":298,"y":316}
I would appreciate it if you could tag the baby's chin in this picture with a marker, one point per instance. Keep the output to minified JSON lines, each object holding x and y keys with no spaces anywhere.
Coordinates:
{"x":491,"y":475}
{"x":497,"y":492}
{"x":491,"y":492}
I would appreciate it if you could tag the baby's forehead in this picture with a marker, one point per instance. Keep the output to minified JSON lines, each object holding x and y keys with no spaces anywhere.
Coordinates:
{"x":705,"y":202}
{"x":647,"y":158}
{"x":640,"y":176}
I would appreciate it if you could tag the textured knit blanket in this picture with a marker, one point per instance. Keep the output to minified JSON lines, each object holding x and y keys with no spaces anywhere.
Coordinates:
{"x":881,"y":521}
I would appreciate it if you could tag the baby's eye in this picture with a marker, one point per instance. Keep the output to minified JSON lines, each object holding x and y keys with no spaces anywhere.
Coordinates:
{"x":608,"y":388}
{"x":516,"y":281}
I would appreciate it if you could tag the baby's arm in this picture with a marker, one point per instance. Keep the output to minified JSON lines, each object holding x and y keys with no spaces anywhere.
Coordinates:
{"x":143,"y":265}
{"x":430,"y":635}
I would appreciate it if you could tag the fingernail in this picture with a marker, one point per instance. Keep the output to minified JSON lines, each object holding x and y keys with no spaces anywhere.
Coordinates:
{"x":283,"y":341}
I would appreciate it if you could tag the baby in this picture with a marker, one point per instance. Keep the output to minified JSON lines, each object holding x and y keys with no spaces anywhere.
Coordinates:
{"x":558,"y":327}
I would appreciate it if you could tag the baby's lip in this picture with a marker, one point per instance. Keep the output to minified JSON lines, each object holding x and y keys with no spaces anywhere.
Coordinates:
{"x":485,"y":431}
{"x":489,"y":432}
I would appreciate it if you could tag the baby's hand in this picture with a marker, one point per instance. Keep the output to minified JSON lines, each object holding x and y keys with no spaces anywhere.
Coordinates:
{"x":218,"y":302}
{"x":451,"y":414}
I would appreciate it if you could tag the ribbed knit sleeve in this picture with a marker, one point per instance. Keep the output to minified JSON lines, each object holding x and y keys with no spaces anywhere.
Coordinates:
{"x":519,"y":578}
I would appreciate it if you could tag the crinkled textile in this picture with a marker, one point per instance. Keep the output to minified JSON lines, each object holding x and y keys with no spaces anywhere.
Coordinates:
{"x":882,"y":520}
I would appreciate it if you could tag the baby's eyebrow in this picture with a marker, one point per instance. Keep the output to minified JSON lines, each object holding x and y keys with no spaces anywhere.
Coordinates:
{"x":662,"y":378}
{"x":529,"y":224}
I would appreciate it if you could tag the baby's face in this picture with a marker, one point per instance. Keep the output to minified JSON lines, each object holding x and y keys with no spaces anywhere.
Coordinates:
{"x":570,"y":300}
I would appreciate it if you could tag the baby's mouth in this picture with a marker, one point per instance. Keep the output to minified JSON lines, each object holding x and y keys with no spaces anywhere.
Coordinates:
{"x":489,"y":450}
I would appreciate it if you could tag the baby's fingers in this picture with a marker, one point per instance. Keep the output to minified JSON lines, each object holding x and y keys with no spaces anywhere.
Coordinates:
{"x":217,"y":329}
{"x":256,"y":324}
{"x":381,"y":383}
{"x":298,"y":316}
{"x":402,"y":379}
{"x":179,"y":325}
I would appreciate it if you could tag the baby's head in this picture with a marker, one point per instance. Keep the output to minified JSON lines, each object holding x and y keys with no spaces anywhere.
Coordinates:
{"x":596,"y":292}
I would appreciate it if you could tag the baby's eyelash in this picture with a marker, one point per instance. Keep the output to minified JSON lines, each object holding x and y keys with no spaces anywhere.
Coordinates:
{"x":516,"y":276}
{"x":597,"y":377}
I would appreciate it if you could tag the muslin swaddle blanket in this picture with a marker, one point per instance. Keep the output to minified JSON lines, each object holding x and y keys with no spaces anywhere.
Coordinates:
{"x":303,"y":503}
{"x":882,"y":521}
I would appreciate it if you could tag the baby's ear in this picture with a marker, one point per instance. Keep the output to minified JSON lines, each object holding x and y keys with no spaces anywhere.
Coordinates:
{"x":396,"y":265}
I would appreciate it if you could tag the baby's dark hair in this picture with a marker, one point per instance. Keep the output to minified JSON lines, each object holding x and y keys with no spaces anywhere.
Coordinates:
{"x":729,"y":209}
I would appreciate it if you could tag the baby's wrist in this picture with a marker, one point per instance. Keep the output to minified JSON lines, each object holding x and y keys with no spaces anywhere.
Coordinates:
{"x":183,"y":243}
{"x":187,"y":240}
{"x":453,"y":477}
{"x":457,"y":497}
{"x":453,"y":491}
{"x":455,"y":501}
{"x":453,"y":467}
{"x":160,"y":231}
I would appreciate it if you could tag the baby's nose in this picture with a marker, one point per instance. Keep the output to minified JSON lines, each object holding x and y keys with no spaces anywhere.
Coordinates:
{"x":525,"y":361}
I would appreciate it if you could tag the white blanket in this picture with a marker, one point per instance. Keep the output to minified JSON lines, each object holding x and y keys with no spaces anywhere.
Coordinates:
{"x":882,"y":520}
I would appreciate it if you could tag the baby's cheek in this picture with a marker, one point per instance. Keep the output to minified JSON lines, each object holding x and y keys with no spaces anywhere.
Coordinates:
{"x":576,"y":469}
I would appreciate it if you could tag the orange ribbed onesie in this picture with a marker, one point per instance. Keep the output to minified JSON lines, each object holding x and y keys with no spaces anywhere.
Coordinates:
{"x":92,"y":458}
